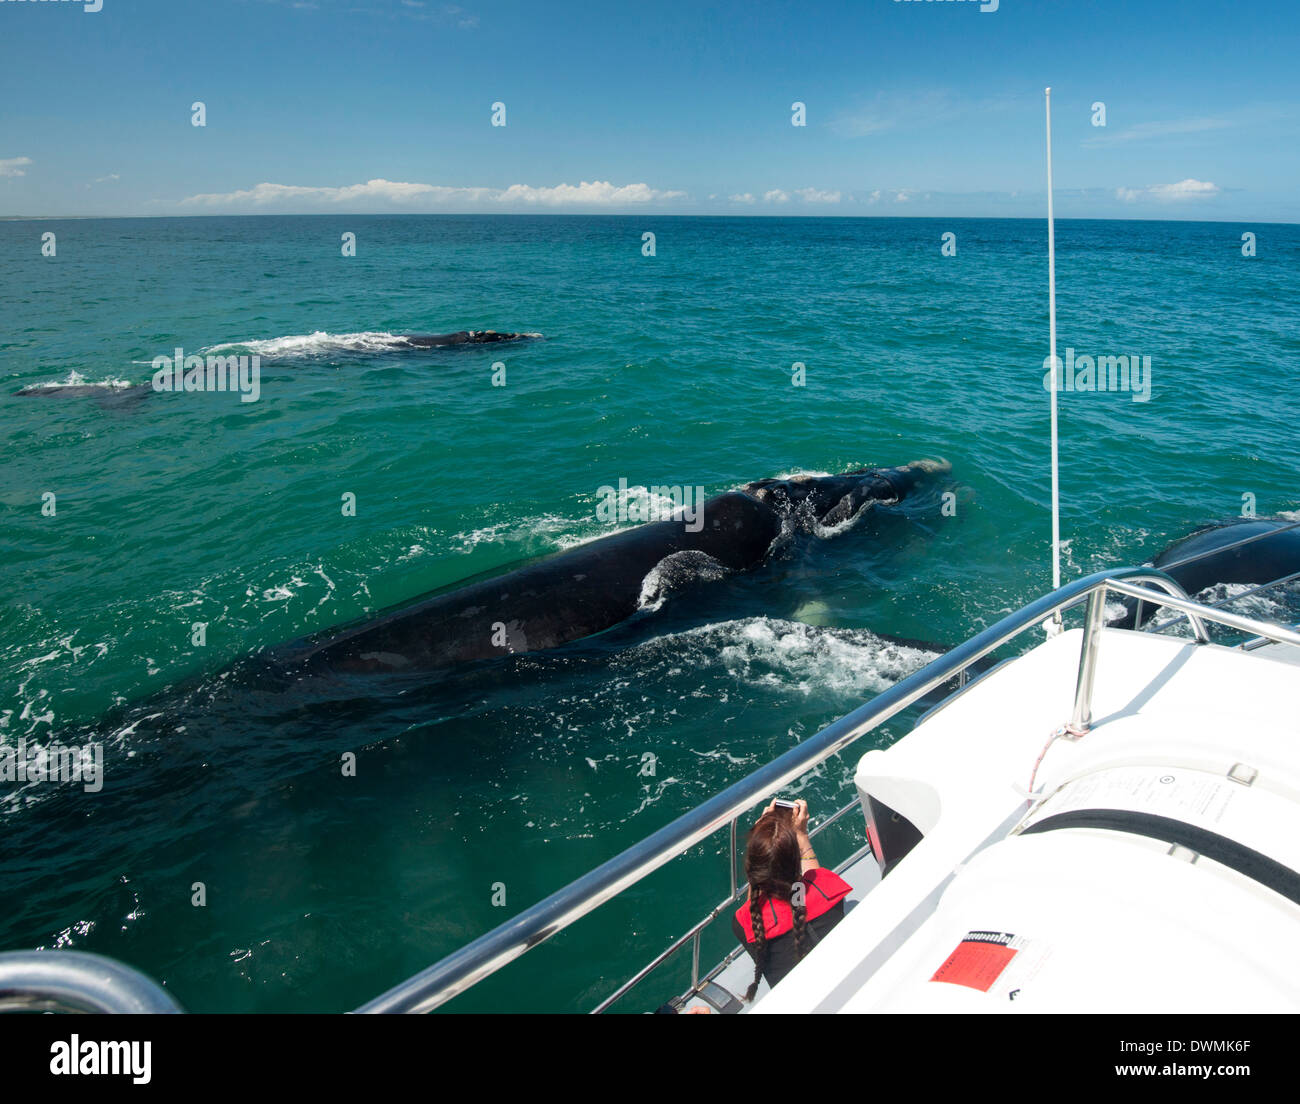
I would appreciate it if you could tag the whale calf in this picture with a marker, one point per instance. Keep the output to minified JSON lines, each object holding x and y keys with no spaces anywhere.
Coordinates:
{"x":590,"y":588}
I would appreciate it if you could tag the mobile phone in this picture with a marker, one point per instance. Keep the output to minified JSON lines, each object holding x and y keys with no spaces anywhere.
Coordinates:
{"x":789,"y":806}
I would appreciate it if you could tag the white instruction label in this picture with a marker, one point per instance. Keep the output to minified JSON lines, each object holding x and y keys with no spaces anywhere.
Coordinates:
{"x":1174,"y":792}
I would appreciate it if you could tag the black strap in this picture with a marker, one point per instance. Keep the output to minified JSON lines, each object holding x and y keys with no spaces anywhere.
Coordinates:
{"x":1236,"y":856}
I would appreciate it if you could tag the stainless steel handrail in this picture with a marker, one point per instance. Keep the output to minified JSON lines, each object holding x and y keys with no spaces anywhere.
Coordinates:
{"x":1159,"y":627}
{"x":464,"y":968}
{"x":1196,"y":613}
{"x":1257,"y":642}
{"x":76,"y":981}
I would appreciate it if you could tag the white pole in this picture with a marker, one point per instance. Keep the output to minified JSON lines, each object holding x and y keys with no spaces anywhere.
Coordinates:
{"x":1051,"y":307}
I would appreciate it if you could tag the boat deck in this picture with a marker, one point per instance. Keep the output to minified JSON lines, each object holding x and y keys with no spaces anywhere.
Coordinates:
{"x":1166,"y":742}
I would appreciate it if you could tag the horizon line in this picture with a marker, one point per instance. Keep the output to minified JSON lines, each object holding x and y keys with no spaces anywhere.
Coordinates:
{"x":646,"y":214}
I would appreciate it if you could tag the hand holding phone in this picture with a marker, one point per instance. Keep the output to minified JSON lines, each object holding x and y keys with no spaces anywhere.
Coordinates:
{"x":794,"y":811}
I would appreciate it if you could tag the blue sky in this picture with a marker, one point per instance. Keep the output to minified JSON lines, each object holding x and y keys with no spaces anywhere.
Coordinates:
{"x":913,"y":107}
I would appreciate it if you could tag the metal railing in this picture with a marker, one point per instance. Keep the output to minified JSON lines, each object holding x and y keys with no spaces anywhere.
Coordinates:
{"x":76,"y":981}
{"x":1263,"y":588}
{"x":466,"y":967}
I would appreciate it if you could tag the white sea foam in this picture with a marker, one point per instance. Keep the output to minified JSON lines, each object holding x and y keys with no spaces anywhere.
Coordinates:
{"x":790,"y":656}
{"x":1115,"y":611}
{"x":551,"y":528}
{"x":282,"y":592}
{"x":1270,"y":605}
{"x":315,"y":344}
{"x":554,"y":530}
{"x":76,"y":379}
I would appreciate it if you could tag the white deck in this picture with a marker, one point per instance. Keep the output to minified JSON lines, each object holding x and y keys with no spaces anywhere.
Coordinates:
{"x":1104,"y":920}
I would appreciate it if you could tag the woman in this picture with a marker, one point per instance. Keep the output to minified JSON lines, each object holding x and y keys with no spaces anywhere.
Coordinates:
{"x":793,"y":901}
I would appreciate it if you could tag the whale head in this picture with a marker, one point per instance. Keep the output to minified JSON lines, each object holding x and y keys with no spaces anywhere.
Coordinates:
{"x":832,"y":499}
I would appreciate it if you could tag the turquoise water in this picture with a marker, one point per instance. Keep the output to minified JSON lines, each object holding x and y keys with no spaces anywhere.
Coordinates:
{"x":322,"y":890}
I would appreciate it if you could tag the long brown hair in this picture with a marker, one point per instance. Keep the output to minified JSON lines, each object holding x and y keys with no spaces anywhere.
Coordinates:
{"x":772,"y":867}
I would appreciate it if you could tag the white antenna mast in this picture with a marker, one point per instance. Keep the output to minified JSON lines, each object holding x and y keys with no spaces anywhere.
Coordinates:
{"x":1053,"y":626}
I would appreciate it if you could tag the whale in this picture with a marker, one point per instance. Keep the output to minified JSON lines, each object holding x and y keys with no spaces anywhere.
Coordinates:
{"x":108,"y":397}
{"x":1247,"y":550}
{"x":589,"y":589}
{"x":463,"y":337}
{"x":122,"y":396}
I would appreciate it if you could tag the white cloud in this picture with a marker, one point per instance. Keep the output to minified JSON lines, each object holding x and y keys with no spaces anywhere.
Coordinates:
{"x":902,"y":195}
{"x":14,"y":166}
{"x":390,"y":193}
{"x":776,"y":196}
{"x":743,"y":197}
{"x":264,"y":194}
{"x":110,"y":176}
{"x":812,"y":195}
{"x":874,"y":197}
{"x":1187,"y":189}
{"x":599,"y":193}
{"x":1171,"y":193}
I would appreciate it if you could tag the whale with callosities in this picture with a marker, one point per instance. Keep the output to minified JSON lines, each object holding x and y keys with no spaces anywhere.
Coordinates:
{"x":595,"y":586}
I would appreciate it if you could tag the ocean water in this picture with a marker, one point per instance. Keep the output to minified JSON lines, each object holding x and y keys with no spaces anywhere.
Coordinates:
{"x":513,"y":777}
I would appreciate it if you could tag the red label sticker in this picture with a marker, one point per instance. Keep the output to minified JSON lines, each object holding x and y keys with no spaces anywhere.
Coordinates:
{"x":977,"y":962}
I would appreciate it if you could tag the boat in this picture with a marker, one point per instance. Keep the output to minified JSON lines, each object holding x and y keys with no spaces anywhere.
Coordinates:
{"x":1109,"y":821}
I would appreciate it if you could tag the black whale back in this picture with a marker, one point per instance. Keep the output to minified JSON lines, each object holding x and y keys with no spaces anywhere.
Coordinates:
{"x":561,"y":598}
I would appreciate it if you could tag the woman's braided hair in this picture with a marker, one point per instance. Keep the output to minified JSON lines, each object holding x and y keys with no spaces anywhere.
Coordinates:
{"x":772,"y":867}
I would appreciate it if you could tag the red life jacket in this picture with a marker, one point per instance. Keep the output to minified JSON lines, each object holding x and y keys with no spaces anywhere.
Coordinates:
{"x":824,"y":889}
